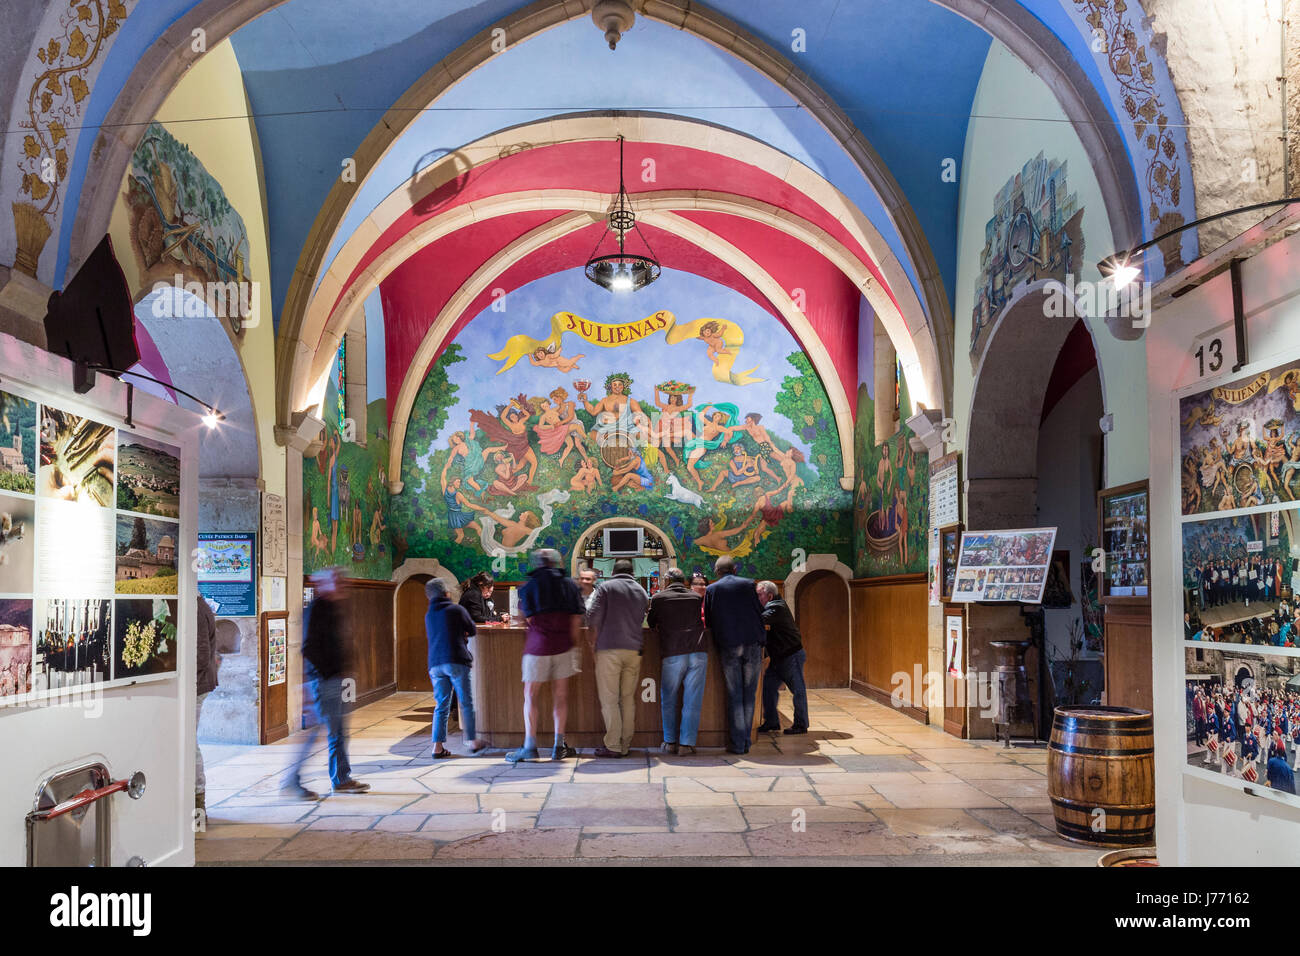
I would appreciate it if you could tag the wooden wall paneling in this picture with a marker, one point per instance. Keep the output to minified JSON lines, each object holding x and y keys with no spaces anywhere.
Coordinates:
{"x":370,"y":628}
{"x":1128,"y":655}
{"x":890,"y":624}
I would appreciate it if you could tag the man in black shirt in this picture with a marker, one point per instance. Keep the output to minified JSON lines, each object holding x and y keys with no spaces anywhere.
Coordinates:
{"x":785,"y":655}
{"x":676,"y":614}
{"x":324,"y":657}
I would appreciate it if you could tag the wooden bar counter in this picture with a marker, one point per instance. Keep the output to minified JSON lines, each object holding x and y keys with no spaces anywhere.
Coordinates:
{"x":499,"y":695}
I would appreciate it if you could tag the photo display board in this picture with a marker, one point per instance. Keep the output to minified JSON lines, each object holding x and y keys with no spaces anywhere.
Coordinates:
{"x":1126,"y":539}
{"x":227,"y":572}
{"x":89,"y":533}
{"x":1003,"y":565}
{"x":1239,"y":445}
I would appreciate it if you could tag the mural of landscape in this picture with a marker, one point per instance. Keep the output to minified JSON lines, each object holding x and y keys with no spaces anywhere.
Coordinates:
{"x":345,"y":499}
{"x":715,"y":430}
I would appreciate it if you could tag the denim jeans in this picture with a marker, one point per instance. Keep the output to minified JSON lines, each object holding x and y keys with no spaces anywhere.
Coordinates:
{"x":682,"y":682}
{"x":444,"y":677}
{"x":326,"y":694}
{"x":787,"y":671}
{"x":741,"y":667}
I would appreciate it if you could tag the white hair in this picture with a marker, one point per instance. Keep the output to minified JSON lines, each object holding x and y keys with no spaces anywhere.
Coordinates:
{"x":769,"y":588}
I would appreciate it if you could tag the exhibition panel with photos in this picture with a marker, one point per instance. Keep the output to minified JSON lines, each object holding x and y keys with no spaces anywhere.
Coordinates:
{"x":1225,"y":507}
{"x":96,"y":596}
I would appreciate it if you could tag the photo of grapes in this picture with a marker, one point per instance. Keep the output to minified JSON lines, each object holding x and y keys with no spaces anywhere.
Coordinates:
{"x":77,"y":457}
{"x":144,"y":633}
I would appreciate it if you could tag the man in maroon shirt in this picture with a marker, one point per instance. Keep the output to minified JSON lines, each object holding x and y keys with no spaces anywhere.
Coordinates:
{"x":551,"y":602}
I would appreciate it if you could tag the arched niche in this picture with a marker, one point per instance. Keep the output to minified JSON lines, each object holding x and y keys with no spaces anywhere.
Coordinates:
{"x":577,"y":561}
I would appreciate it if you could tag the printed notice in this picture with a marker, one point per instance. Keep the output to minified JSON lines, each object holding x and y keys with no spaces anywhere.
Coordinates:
{"x":74,"y":556}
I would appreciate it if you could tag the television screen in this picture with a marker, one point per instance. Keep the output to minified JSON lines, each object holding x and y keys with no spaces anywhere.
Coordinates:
{"x":622,"y":541}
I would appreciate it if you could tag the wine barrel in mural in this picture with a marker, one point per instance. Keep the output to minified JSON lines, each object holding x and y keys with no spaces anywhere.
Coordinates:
{"x":1101,"y":775}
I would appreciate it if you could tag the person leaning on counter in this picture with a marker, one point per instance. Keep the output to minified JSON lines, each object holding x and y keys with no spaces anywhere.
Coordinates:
{"x":676,"y":613}
{"x":616,"y":619}
{"x":476,"y":597}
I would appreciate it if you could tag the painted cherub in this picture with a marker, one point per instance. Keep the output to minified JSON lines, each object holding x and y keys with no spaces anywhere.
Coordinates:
{"x":711,"y":333}
{"x":550,"y":356}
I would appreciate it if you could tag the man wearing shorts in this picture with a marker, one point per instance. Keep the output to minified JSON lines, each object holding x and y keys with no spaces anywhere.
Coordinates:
{"x":553,"y":607}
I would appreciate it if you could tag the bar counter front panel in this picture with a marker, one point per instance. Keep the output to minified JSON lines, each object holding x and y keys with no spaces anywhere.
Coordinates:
{"x":499,"y":695}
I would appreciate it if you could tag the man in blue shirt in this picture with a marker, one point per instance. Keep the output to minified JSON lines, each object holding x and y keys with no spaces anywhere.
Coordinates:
{"x":735,"y":616}
{"x":447,"y":625}
{"x":1280,"y":776}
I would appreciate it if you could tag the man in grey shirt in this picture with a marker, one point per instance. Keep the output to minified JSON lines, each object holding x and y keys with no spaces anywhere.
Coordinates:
{"x":616,"y":619}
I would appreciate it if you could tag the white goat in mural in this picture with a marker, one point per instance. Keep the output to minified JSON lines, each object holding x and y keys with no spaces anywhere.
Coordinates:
{"x":684,"y":495}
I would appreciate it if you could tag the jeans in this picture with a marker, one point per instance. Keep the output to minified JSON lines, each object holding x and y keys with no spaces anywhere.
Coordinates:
{"x":741,"y":667}
{"x":444,"y":677}
{"x":327,"y":697}
{"x":200,"y":778}
{"x":682,"y":681}
{"x":788,"y":671}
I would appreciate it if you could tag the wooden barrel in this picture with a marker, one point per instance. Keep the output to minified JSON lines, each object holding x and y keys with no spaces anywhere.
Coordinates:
{"x":1101,"y":775}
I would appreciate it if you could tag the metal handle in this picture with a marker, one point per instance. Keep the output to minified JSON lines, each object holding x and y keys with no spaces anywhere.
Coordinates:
{"x":133,"y":787}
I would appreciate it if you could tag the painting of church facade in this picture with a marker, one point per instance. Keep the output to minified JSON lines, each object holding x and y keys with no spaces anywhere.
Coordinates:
{"x":715,"y":431}
{"x":1035,"y":233}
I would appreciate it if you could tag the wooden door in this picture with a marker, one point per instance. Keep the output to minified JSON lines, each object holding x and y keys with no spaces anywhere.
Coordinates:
{"x":412,"y":646}
{"x":822,"y":612}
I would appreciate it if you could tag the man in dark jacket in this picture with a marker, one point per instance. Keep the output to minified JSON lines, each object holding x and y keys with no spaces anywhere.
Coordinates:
{"x":616,"y":617}
{"x":447,"y":626}
{"x":676,"y":614}
{"x":550,"y":602}
{"x":476,"y":597}
{"x":785,"y":659}
{"x":206,"y":664}
{"x":324,"y":659}
{"x":733,"y":614}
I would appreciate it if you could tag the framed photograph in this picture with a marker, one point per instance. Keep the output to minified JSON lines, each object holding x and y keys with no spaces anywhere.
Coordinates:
{"x":949,"y":551}
{"x":1003,"y":565}
{"x":1123,"y":514}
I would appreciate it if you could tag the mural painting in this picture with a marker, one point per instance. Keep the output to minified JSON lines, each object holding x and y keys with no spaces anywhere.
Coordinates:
{"x":1035,"y":233}
{"x":725,"y":455}
{"x":346,"y":500}
{"x":181,"y":221}
{"x":1240,"y":443}
{"x":891,"y":507}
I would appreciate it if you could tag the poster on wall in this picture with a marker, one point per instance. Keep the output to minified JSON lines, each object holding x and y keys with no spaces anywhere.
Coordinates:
{"x":277,"y":650}
{"x":1003,"y":565}
{"x":1236,"y":578}
{"x":1125,"y":538}
{"x":952,"y":630}
{"x":226,"y":572}
{"x":945,"y":490}
{"x":1240,"y":442}
{"x":1243,"y":718}
{"x":275,"y":531}
{"x":89,"y":539}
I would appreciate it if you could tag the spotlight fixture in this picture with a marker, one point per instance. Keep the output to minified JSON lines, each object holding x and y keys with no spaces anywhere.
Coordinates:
{"x":83,"y":380}
{"x":622,"y":271}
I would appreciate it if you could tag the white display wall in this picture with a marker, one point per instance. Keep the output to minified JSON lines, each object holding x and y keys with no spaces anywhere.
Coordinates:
{"x":96,"y":579}
{"x":1209,"y":813}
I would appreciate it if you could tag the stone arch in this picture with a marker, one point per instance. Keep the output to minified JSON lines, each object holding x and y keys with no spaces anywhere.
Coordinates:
{"x":664,"y":563}
{"x":816,"y":562}
{"x":590,"y":207}
{"x":161,"y":66}
{"x":430,"y":566}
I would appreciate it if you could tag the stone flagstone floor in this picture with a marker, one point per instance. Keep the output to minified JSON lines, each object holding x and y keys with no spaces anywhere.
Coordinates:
{"x":867,"y":785}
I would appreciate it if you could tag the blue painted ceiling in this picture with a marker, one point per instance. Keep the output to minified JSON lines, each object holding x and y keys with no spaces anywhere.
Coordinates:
{"x":321,"y":73}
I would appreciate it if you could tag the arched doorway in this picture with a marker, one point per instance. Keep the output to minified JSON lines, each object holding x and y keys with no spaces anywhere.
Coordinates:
{"x":412,"y":647}
{"x":821,"y":606}
{"x":666,"y":560}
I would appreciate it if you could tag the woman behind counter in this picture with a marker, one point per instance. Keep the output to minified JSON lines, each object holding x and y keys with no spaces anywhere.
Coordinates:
{"x":476,"y":597}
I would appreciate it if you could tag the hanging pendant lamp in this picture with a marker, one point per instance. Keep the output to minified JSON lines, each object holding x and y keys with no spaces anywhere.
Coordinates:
{"x":622,"y":271}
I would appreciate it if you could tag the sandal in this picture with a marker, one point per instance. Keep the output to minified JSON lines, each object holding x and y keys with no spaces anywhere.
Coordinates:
{"x":442,"y":754}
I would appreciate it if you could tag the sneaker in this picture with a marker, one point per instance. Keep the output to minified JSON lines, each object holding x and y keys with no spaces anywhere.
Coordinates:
{"x":523,"y":753}
{"x":791,"y":731}
{"x":352,"y":786}
{"x":606,"y":752}
{"x":768,"y":728}
{"x":301,"y":793}
{"x":668,"y":748}
{"x":685,"y":749}
{"x":563,"y":752}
